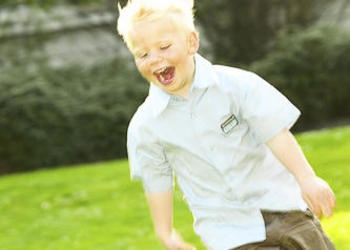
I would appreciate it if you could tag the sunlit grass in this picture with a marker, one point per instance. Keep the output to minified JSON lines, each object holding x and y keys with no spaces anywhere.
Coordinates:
{"x":95,"y":206}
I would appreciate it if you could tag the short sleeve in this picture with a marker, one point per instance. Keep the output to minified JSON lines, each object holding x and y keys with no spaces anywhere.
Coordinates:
{"x":266,"y":110}
{"x":148,"y":162}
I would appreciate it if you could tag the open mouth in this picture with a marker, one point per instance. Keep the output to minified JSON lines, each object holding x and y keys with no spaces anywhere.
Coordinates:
{"x":166,"y":75}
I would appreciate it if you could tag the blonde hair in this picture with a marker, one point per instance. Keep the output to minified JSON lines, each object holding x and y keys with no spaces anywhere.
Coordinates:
{"x":141,"y":10}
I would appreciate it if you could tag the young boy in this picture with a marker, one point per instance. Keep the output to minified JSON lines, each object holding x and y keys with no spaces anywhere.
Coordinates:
{"x":224,"y":132}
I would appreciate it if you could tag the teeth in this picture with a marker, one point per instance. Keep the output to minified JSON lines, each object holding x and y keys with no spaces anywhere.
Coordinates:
{"x":161,"y":78}
{"x":161,"y":70}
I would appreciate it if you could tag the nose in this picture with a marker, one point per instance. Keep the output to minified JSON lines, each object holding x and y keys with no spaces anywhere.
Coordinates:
{"x":154,"y":58}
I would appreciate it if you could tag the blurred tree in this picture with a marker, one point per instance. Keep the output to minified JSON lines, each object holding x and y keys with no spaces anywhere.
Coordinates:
{"x":75,"y":114}
{"x":311,"y":68}
{"x":242,"y":31}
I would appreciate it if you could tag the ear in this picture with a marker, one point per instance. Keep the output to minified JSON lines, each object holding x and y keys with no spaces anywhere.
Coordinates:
{"x":193,"y":43}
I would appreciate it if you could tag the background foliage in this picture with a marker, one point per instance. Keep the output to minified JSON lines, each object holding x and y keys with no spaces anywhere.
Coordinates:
{"x":55,"y":116}
{"x":244,"y":31}
{"x":311,"y":67}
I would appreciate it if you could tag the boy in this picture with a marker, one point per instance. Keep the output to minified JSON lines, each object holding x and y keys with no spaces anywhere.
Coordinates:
{"x":224,"y":132}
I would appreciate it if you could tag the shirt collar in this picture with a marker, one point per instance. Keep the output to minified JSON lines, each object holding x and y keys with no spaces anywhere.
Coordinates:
{"x":203,"y":78}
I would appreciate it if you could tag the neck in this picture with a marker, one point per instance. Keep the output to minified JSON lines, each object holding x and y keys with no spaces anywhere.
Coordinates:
{"x":186,"y":89}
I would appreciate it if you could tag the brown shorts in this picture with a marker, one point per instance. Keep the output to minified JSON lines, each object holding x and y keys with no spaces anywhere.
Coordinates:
{"x":295,"y":230}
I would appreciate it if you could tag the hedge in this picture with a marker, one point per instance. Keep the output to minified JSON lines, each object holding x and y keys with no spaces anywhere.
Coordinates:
{"x":52,"y":117}
{"x":312,"y":68}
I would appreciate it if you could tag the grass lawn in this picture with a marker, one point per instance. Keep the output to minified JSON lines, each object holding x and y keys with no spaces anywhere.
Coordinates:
{"x":91,"y":207}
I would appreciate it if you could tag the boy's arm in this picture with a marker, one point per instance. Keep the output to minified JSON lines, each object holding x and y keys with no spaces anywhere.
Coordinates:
{"x":316,"y":192}
{"x":161,"y":209}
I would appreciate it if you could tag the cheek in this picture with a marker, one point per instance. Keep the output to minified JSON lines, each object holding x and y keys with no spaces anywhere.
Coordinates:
{"x":144,"y":70}
{"x":141,"y":67}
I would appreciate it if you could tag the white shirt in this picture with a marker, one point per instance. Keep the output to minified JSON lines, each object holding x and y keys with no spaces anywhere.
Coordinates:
{"x":214,"y":142}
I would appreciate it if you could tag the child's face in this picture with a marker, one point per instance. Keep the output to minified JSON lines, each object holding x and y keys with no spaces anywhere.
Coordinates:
{"x":164,"y":54}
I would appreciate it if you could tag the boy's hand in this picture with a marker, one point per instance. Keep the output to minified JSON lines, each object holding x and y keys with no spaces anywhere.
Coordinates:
{"x":319,"y":196}
{"x":175,"y":242}
{"x":315,"y":191}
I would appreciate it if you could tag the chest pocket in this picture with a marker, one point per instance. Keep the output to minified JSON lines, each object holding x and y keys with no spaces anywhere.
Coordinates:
{"x":221,"y":130}
{"x":216,"y":114}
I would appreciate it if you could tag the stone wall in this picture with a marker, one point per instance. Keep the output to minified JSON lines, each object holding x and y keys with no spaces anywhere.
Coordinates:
{"x":58,"y":36}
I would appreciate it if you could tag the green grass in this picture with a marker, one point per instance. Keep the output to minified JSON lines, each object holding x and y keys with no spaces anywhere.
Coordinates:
{"x":95,"y":206}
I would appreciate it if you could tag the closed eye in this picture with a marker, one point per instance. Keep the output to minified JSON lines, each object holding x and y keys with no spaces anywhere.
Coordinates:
{"x":141,"y":55}
{"x":164,"y":47}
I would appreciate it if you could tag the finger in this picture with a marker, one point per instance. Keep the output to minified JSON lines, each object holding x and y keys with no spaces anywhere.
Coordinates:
{"x":309,"y":203}
{"x":327,"y":210}
{"x":334,"y":201}
{"x":314,"y":207}
{"x":317,"y":212}
{"x":330,"y":197}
